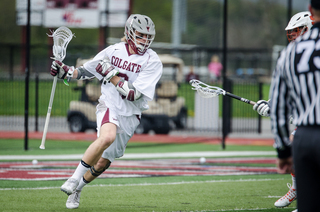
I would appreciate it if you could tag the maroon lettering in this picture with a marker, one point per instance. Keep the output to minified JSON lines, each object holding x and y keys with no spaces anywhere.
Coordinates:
{"x":129,"y":67}
{"x":116,"y":61}
{"x":132,"y":67}
{"x":119,"y":64}
{"x":112,"y":60}
{"x":138,"y":69}
{"x":124,"y":66}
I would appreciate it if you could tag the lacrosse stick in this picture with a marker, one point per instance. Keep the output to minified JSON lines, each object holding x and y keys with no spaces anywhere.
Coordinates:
{"x":61,"y":38}
{"x":208,"y":91}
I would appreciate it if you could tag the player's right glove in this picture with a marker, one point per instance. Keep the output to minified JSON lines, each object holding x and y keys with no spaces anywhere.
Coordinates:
{"x":107,"y":70}
{"x":60,"y":69}
{"x":262,"y":107}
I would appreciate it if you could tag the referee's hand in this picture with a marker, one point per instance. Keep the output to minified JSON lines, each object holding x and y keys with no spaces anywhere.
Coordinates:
{"x":285,"y":165}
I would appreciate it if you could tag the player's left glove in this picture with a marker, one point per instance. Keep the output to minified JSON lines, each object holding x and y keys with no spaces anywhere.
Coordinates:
{"x":262,"y":107}
{"x":106,"y":70}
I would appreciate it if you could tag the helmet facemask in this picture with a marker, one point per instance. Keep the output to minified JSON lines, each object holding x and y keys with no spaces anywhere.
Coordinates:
{"x":139,"y":40}
{"x":292,"y":34}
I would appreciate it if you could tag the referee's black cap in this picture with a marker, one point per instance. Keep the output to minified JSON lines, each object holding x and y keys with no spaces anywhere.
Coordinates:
{"x":315,"y":4}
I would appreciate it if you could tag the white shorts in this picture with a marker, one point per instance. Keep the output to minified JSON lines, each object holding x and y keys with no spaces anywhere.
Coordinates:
{"x":126,"y":125}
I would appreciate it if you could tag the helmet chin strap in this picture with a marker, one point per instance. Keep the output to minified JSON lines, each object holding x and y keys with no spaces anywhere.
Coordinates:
{"x":136,"y":47}
{"x":139,"y":47}
{"x":132,"y":47}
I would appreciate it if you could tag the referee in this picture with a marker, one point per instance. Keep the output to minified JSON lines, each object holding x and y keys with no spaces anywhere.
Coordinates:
{"x":295,"y":89}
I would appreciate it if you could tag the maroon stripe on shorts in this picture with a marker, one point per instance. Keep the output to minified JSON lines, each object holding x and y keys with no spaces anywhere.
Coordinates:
{"x":106,"y":118}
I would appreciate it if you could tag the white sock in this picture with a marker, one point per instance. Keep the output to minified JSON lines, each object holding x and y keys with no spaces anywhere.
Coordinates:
{"x":82,"y":183}
{"x":80,"y":171}
{"x":293,"y":181}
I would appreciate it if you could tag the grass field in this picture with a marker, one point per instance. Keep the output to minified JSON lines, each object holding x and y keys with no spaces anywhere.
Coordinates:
{"x":233,"y":193}
{"x":256,"y":192}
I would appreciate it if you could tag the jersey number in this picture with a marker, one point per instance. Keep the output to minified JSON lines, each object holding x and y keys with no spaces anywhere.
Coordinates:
{"x":307,"y":48}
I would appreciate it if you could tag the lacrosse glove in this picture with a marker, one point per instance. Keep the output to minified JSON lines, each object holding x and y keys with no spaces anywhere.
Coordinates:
{"x":107,"y":70}
{"x":60,"y":69}
{"x":262,"y":107}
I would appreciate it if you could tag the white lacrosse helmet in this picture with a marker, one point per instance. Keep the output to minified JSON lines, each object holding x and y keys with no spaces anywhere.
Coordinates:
{"x":136,"y":27}
{"x":298,"y":25}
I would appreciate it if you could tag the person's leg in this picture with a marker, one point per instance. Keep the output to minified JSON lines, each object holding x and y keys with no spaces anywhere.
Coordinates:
{"x":115,"y":150}
{"x":94,"y":172}
{"x":91,"y":156}
{"x":106,"y":138}
{"x":294,"y":184}
{"x":306,"y":148}
{"x":73,"y":200}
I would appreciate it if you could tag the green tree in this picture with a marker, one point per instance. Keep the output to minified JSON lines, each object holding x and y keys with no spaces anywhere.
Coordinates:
{"x":9,"y":31}
{"x":161,"y":14}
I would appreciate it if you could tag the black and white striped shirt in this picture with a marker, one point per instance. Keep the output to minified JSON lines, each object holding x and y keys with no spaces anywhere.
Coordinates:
{"x":295,"y":88}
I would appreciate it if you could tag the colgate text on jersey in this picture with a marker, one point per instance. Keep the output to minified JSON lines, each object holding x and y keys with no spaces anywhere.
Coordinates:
{"x":128,"y":66}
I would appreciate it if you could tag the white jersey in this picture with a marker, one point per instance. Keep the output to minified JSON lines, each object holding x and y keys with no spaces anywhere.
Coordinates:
{"x":143,"y":71}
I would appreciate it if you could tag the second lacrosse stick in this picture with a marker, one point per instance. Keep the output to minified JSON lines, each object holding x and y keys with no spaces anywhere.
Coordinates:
{"x":208,"y":91}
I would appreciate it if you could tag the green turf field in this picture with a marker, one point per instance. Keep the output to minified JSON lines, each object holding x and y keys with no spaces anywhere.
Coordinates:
{"x":169,"y":193}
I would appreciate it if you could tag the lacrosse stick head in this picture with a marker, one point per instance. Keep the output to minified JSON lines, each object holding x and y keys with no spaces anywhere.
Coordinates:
{"x":61,"y":38}
{"x":204,"y":90}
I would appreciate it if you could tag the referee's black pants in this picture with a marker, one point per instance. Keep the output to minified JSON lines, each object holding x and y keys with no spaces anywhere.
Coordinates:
{"x":306,"y":158}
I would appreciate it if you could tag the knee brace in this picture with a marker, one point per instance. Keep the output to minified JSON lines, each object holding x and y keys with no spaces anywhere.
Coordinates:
{"x":96,"y":173}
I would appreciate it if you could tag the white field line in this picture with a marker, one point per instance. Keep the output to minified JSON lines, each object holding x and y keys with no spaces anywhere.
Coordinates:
{"x":273,"y":197}
{"x":145,"y":155}
{"x":150,"y":184}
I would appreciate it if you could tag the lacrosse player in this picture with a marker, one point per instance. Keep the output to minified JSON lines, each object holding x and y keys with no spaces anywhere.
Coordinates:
{"x":129,"y":71}
{"x":299,"y":24}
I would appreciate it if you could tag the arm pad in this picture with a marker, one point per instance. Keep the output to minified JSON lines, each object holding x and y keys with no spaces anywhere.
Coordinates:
{"x":83,"y":74}
{"x":127,"y":90}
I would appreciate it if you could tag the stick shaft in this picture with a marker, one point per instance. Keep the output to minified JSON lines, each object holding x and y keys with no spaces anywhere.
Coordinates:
{"x":240,"y":98}
{"x":45,"y":130}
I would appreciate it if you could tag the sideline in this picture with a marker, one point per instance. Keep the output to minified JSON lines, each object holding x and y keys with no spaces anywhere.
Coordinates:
{"x":145,"y":155}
